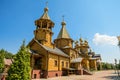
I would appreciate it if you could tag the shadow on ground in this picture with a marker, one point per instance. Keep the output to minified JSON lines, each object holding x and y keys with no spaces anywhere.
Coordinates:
{"x":112,"y":77}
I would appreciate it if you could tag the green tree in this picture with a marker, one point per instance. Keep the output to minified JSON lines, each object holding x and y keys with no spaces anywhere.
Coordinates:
{"x":112,"y":66}
{"x":2,"y":55}
{"x":103,"y":65}
{"x":107,"y":66}
{"x":7,"y":54}
{"x":20,"y":69}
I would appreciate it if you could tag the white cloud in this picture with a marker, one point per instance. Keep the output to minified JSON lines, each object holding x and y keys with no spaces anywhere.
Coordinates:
{"x":100,"y":39}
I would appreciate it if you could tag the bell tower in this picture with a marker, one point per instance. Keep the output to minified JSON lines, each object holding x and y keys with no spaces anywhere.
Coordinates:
{"x":43,"y":32}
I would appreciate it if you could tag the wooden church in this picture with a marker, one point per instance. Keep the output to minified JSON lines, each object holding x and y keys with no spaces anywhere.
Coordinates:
{"x":60,"y":57}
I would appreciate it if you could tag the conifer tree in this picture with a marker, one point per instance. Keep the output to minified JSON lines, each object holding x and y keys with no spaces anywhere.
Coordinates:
{"x":20,"y":69}
{"x":2,"y":56}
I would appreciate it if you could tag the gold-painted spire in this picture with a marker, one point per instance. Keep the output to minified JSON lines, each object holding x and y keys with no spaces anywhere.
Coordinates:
{"x":45,"y":14}
{"x":63,"y":32}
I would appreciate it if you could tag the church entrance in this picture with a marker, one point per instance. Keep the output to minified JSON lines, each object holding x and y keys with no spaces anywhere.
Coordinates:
{"x":37,"y":66}
{"x":38,"y":63}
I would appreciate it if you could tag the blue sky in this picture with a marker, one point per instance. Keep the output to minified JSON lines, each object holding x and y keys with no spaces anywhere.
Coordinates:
{"x":98,"y":21}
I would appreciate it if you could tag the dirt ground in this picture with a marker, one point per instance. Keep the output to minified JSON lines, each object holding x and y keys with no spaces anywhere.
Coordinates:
{"x":99,"y":75}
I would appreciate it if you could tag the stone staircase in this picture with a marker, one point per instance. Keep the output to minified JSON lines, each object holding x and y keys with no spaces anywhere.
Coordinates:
{"x":86,"y":72}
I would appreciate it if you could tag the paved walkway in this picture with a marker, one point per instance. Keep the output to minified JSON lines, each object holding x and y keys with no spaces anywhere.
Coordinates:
{"x":99,"y":75}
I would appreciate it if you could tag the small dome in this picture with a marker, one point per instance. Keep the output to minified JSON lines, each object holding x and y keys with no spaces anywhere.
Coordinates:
{"x":81,"y":40}
{"x":46,"y":9}
{"x":63,"y":23}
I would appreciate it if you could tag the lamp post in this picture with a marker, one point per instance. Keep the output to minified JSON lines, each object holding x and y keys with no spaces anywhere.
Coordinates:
{"x":116,"y":68}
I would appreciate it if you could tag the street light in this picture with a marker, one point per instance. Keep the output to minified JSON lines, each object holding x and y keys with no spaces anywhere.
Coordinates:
{"x":116,"y":67}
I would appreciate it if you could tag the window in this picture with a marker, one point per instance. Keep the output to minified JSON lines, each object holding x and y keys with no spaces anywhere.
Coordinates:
{"x":44,"y":25}
{"x":62,"y":64}
{"x":66,"y":64}
{"x":56,"y":63}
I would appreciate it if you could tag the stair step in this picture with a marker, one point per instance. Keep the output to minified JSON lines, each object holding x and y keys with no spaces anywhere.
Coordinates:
{"x":86,"y":72}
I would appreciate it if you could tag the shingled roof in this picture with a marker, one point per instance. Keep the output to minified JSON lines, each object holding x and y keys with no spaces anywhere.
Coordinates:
{"x":63,"y":32}
{"x":98,"y":56}
{"x":53,"y":50}
{"x":45,"y":14}
{"x":76,"y":60}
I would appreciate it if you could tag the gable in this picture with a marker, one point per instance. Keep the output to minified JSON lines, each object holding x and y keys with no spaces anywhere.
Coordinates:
{"x":37,"y":48}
